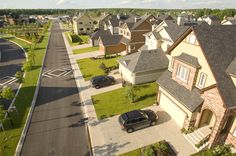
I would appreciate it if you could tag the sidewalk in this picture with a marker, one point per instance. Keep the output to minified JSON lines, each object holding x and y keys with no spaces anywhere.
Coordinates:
{"x":81,"y":46}
{"x":87,"y":55}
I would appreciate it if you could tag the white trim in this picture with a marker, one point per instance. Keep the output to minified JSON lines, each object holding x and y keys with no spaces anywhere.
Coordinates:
{"x":140,"y":30}
{"x":185,"y":71}
{"x":202,"y":75}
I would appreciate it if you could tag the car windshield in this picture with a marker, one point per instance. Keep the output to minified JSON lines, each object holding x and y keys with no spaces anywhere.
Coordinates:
{"x":144,"y":114}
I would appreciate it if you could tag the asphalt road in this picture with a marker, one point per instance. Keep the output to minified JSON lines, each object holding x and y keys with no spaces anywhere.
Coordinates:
{"x":11,"y":62}
{"x":57,"y":127}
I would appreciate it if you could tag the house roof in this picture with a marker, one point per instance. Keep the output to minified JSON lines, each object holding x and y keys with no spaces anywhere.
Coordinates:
{"x":213,"y":18}
{"x":232,"y":68}
{"x":174,"y":30}
{"x":218,"y":44}
{"x":108,"y":39}
{"x":164,"y":17}
{"x":189,"y":59}
{"x":146,"y":60}
{"x":190,"y":99}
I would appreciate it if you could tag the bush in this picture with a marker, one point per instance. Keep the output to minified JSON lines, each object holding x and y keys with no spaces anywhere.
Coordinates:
{"x":7,"y":93}
{"x":221,"y":150}
{"x":75,"y":38}
{"x":130,"y":94}
{"x":27,"y":66}
{"x":149,"y":151}
{"x":162,"y":146}
{"x":104,"y":68}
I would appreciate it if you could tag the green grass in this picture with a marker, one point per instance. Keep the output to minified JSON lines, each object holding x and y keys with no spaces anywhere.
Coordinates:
{"x":83,"y":39}
{"x":136,"y":152}
{"x":24,"y":99}
{"x":85,"y":50}
{"x":90,"y":67}
{"x":115,"y":102}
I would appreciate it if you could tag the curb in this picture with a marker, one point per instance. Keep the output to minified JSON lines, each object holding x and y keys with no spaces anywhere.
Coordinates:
{"x":30,"y":113}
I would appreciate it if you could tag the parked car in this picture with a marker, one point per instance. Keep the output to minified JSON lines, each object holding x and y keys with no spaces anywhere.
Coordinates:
{"x":137,"y":119}
{"x":102,"y":81}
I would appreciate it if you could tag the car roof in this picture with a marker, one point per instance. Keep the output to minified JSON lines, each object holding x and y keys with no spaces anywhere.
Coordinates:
{"x":134,"y":114}
{"x":98,"y":77}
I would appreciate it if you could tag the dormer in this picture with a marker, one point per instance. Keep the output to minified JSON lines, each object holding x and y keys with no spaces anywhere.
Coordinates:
{"x":185,"y":69}
{"x":231,"y":70}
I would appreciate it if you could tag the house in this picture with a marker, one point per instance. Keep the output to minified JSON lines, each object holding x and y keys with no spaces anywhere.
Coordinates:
{"x":143,"y":66}
{"x":133,"y":30}
{"x":164,"y":35}
{"x":102,"y":20}
{"x":83,"y":24}
{"x":130,"y":37}
{"x":186,"y":19}
{"x":211,"y":19}
{"x":229,"y":21}
{"x":199,"y":88}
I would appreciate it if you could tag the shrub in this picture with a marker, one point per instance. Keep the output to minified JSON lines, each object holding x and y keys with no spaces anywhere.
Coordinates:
{"x":221,"y":150}
{"x":104,"y":68}
{"x":130,"y":94}
{"x":27,"y":66}
{"x":149,"y":151}
{"x":75,"y":38}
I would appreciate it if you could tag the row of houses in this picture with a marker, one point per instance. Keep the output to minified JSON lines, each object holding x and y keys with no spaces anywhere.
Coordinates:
{"x":193,"y":63}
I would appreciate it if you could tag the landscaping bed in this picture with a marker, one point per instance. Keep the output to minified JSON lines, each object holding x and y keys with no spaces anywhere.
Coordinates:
{"x":116,"y":102}
{"x":10,"y":137}
{"x":90,"y":67}
{"x":161,"y":148}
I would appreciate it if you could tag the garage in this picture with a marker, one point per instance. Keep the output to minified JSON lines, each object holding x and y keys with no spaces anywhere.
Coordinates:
{"x":172,"y":109}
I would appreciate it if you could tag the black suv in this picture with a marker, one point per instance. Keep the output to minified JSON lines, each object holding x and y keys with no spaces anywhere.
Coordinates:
{"x":102,"y":81}
{"x":137,"y":119}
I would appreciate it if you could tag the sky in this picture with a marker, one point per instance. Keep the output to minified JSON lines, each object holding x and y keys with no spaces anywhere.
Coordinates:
{"x":84,"y":4}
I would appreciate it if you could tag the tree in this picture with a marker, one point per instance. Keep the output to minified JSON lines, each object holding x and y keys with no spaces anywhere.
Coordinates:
{"x":130,"y":94}
{"x":19,"y":76}
{"x":27,"y":66}
{"x":104,"y":68}
{"x":7,"y":93}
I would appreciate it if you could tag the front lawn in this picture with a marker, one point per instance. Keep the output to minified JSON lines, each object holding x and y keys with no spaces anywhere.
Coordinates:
{"x":9,"y":139}
{"x":161,"y":148}
{"x":85,"y":50}
{"x":90,"y":67}
{"x":116,"y":102}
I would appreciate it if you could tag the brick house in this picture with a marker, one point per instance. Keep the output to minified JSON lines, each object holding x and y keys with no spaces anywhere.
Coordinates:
{"x":83,"y":24}
{"x":198,"y":89}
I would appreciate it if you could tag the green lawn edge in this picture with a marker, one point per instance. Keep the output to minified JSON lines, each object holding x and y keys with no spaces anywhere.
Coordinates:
{"x":85,"y":50}
{"x":24,"y":98}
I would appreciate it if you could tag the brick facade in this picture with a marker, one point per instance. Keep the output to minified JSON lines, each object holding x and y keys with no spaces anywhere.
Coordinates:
{"x":231,"y":139}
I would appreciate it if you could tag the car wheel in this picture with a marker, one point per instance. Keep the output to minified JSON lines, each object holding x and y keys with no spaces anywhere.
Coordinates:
{"x":153,"y":123}
{"x":97,"y":87}
{"x":130,"y":130}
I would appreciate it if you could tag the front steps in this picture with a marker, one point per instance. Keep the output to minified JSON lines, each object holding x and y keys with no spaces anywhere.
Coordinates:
{"x":198,"y":135}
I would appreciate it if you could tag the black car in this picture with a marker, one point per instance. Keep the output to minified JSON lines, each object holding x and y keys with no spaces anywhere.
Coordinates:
{"x":137,"y":119}
{"x":102,"y":81}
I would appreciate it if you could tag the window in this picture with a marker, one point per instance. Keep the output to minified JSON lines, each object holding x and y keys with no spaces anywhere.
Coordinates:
{"x":81,"y":29}
{"x":192,"y":39}
{"x":182,"y":73}
{"x":202,"y":80}
{"x":88,"y":28}
{"x":80,"y":22}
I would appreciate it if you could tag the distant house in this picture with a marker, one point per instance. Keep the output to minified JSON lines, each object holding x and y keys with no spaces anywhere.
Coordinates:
{"x":199,"y":88}
{"x":164,"y":35}
{"x":83,"y":24}
{"x":211,"y":19}
{"x":229,"y":21}
{"x":102,"y":20}
{"x":129,"y":37}
{"x":143,"y":66}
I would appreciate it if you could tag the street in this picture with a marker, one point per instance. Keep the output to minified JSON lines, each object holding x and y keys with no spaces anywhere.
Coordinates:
{"x":57,"y":127}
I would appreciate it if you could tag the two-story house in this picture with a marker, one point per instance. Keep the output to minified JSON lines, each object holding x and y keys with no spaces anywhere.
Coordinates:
{"x":133,"y":30}
{"x":83,"y":24}
{"x":211,"y":19}
{"x":164,"y":35}
{"x":198,"y":89}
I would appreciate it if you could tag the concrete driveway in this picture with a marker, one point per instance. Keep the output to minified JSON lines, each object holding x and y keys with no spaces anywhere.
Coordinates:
{"x":118,"y":141}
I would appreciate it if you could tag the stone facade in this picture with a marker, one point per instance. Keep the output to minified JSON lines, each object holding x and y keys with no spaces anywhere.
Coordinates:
{"x":231,"y":139}
{"x":213,"y":102}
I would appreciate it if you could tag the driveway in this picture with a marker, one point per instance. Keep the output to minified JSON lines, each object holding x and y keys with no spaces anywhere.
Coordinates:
{"x":118,"y":141}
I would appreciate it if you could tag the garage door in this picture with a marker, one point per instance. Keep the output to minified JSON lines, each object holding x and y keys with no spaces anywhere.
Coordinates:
{"x":174,"y":111}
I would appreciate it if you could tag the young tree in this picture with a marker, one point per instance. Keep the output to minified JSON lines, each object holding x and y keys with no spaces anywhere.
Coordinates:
{"x":7,"y":93}
{"x":27,"y":66}
{"x":104,"y":68}
{"x":130,"y":94}
{"x":19,"y":77}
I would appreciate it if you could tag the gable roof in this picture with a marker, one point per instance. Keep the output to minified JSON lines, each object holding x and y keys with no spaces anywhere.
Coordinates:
{"x":189,"y":59}
{"x":218,"y":44}
{"x":232,"y":68}
{"x":108,"y":39}
{"x":146,"y":60}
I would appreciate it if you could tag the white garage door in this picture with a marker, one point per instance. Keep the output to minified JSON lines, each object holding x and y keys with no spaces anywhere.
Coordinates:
{"x":174,"y":111}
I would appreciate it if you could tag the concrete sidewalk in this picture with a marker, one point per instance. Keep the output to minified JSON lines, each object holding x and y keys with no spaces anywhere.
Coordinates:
{"x":87,"y":55}
{"x":81,"y":46}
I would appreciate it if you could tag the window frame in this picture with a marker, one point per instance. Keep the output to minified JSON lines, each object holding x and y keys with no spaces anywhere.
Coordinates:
{"x":189,"y":39}
{"x":199,"y":81}
{"x":186,"y":72}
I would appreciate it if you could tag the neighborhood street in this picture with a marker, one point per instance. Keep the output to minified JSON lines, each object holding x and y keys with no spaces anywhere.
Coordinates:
{"x":57,"y":127}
